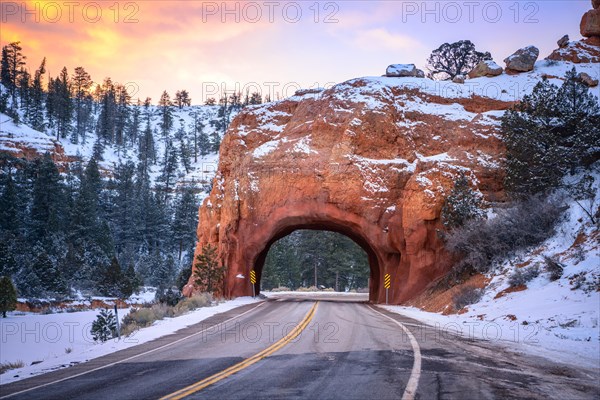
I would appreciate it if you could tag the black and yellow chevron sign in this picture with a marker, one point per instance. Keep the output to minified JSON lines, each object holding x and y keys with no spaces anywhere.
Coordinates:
{"x":252,"y":277}
{"x":387,"y":281}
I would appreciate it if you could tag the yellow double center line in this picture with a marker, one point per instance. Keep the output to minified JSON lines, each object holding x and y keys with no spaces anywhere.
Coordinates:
{"x":186,"y":391}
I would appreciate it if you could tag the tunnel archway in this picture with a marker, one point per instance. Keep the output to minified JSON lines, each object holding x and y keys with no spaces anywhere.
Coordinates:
{"x":260,"y":263}
{"x":251,"y":254}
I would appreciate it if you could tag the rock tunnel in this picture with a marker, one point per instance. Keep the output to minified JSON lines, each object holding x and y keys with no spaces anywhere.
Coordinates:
{"x":356,"y":159}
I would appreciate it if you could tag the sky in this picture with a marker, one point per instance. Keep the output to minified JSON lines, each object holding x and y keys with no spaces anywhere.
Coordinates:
{"x":275,"y":47}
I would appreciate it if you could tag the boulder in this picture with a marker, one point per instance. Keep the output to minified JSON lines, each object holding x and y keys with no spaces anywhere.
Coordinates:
{"x":563,"y":41}
{"x":486,"y":68}
{"x":459,"y":79}
{"x":590,"y":23}
{"x":523,"y":60}
{"x":587,"y":79}
{"x":404,"y":70}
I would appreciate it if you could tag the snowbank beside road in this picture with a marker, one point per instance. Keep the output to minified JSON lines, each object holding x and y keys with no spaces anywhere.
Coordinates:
{"x":53,"y":341}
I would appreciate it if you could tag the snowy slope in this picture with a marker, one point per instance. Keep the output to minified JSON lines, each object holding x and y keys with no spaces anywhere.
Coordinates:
{"x":558,"y":319}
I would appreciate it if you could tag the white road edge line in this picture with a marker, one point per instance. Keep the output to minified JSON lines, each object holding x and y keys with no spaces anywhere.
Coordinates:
{"x":415,"y":374}
{"x":130,"y":358}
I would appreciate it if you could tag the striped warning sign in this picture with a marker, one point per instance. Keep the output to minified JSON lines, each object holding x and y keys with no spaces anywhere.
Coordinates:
{"x":387,"y":281}
{"x":252,"y":277}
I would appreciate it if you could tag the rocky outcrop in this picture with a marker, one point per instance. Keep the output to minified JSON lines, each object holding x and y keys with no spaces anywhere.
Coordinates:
{"x":590,"y":23}
{"x":403,"y":71}
{"x":583,"y":51}
{"x":523,"y":60}
{"x":563,"y":41}
{"x":486,"y":68}
{"x":372,"y":158}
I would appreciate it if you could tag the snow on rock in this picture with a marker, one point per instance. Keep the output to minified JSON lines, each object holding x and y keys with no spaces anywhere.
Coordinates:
{"x":486,"y":68}
{"x":523,"y":59}
{"x":404,"y":70}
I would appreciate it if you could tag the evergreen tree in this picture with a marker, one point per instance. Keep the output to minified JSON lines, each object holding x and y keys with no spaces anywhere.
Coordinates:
{"x":123,"y":212}
{"x":133,"y":128}
{"x":462,"y":205}
{"x":185,"y":221}
{"x":36,"y":114}
{"x":105,"y":326}
{"x":47,"y":211}
{"x":8,"y":296}
{"x":62,"y":107}
{"x":24,"y":89}
{"x":169,"y":168}
{"x":81,"y":85}
{"x":48,"y":275}
{"x":8,"y":262}
{"x":166,"y":114}
{"x":549,"y":133}
{"x":11,"y":64}
{"x":121,"y":113}
{"x":111,"y":279}
{"x":208,"y":273}
{"x":108,"y":111}
{"x":10,"y":210}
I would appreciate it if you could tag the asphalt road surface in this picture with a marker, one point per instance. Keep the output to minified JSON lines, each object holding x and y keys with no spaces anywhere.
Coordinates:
{"x":304,"y":348}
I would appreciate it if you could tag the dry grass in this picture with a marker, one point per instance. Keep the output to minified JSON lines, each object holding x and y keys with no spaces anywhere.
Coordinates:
{"x":11,"y":365}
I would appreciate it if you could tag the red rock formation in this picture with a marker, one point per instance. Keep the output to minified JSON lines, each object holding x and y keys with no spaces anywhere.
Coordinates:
{"x":370,"y":158}
{"x":583,"y":51}
{"x":590,"y":23}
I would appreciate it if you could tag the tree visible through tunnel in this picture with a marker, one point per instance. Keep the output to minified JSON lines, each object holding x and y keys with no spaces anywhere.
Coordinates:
{"x":323,"y":259}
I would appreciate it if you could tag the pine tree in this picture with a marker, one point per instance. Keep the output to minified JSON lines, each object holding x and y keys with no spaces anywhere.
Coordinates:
{"x":131,"y":282}
{"x":166,"y":114}
{"x":47,"y":211}
{"x":108,"y":111}
{"x":121,"y":113}
{"x":549,"y":133}
{"x":8,"y":296}
{"x":36,"y":114}
{"x":208,"y":273}
{"x":185,"y":221}
{"x":50,"y":278}
{"x":123,"y":212}
{"x":63,"y":107}
{"x":169,"y":168}
{"x":10,"y":210}
{"x":133,"y":128}
{"x":462,"y":205}
{"x":105,"y":326}
{"x":81,"y":85}
{"x":24,"y":90}
{"x":8,"y":262}
{"x":86,"y":209}
{"x":111,"y":279}
{"x":11,"y":64}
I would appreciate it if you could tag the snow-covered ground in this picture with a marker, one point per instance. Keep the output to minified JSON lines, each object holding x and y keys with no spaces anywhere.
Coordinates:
{"x":555,"y":319}
{"x":56,"y":341}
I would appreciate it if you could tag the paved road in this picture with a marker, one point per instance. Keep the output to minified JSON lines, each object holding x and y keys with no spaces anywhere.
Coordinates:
{"x":298,"y":348}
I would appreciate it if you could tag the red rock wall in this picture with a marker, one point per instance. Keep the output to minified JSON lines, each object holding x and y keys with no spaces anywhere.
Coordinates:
{"x":360,"y":159}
